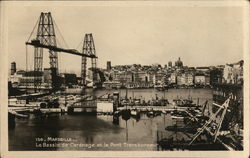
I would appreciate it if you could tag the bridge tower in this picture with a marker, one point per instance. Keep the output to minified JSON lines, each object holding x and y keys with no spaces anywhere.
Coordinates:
{"x":45,"y":35}
{"x":88,"y":49}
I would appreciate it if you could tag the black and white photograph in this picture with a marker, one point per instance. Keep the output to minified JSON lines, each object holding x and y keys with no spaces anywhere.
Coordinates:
{"x":164,"y":77}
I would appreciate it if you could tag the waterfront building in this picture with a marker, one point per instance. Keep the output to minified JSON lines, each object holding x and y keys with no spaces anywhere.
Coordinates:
{"x":15,"y":79}
{"x":92,"y":78}
{"x":143,"y":76}
{"x":181,"y":79}
{"x":199,"y":79}
{"x":128,"y":76}
{"x":185,"y":79}
{"x":189,"y":79}
{"x":136,"y":77}
{"x":216,"y":75}
{"x":228,"y":73}
{"x":132,"y":79}
{"x":113,"y":75}
{"x":151,"y":76}
{"x":23,"y":79}
{"x":158,"y":78}
{"x":173,"y":78}
{"x":29,"y":77}
{"x":123,"y":76}
{"x":233,"y":73}
{"x":207,"y":80}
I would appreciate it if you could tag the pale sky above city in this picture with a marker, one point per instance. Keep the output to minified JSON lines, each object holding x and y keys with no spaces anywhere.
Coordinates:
{"x":126,"y":34}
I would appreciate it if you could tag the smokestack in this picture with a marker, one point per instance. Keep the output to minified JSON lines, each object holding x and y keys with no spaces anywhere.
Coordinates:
{"x":13,"y":68}
{"x":108,"y":65}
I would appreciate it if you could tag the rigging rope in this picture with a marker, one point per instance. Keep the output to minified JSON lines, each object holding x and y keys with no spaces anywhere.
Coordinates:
{"x":26,"y":69}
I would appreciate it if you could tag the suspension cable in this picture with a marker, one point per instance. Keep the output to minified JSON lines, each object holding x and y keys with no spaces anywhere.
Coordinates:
{"x":58,"y":42}
{"x":57,"y":28}
{"x":33,"y":30}
{"x":80,"y":43}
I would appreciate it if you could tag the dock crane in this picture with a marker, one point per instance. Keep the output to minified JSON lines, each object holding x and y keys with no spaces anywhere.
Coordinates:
{"x":210,"y":126}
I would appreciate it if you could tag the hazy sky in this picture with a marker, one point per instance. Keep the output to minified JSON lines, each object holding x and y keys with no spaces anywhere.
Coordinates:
{"x":143,"y":34}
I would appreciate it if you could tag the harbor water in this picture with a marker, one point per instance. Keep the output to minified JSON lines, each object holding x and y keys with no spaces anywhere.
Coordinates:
{"x":88,"y":132}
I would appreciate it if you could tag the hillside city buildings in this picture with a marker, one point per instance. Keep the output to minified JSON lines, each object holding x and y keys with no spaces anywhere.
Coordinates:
{"x":137,"y":76}
{"x":177,"y":75}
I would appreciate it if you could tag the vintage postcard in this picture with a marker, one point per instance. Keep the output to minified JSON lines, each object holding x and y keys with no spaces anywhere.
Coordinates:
{"x":124,"y":79}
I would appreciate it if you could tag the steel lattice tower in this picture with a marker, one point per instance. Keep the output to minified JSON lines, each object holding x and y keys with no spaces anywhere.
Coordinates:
{"x":89,"y":49}
{"x":46,"y":35}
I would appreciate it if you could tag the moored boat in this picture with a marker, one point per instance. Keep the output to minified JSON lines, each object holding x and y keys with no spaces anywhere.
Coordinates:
{"x":134,"y":112}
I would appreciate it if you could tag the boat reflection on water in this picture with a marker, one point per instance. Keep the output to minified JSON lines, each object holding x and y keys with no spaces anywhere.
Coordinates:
{"x":116,"y":118}
{"x":126,"y":116}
